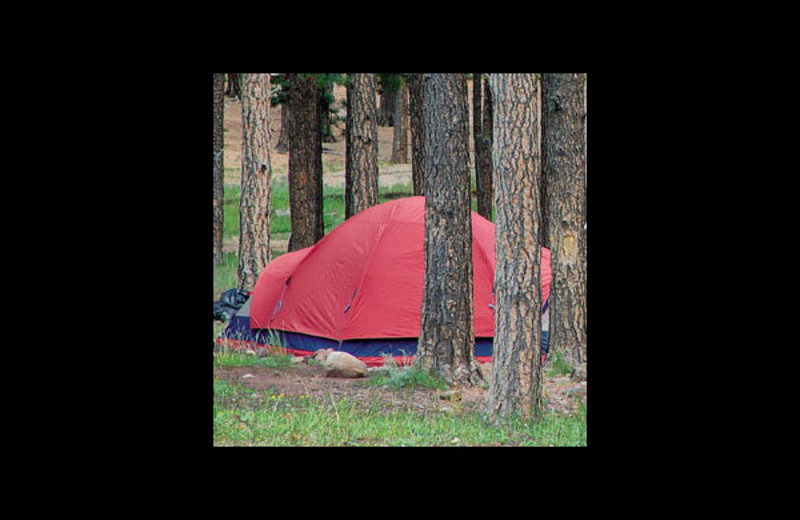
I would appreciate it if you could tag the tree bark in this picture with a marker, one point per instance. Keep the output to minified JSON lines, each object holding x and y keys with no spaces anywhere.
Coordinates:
{"x":564,"y":164}
{"x":219,"y":172}
{"x":256,"y":173}
{"x":305,"y":163}
{"x":482,"y":131}
{"x":416,"y":92}
{"x":234,"y":86}
{"x":389,"y":88}
{"x":446,"y":344}
{"x":361,"y":154}
{"x":400,"y":141}
{"x":515,"y":385}
{"x":286,"y":129}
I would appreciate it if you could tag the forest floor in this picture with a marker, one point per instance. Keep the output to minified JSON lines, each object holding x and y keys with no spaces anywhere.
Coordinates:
{"x":562,"y":395}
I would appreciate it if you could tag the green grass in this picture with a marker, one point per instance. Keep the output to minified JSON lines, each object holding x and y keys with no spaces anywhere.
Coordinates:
{"x":247,"y":417}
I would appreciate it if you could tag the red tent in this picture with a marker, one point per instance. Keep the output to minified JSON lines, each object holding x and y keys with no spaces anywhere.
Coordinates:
{"x":359,"y":289}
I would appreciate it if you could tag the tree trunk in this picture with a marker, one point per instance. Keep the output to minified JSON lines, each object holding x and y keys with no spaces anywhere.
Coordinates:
{"x":482,"y":130}
{"x":219,"y":171}
{"x":234,"y":86}
{"x":389,"y":88}
{"x":361,"y":161}
{"x":286,"y":129}
{"x":326,"y":100}
{"x":256,"y":173}
{"x":400,"y":141}
{"x":446,"y":344}
{"x":564,"y":163}
{"x":515,"y":386}
{"x":417,"y":104}
{"x":305,"y":163}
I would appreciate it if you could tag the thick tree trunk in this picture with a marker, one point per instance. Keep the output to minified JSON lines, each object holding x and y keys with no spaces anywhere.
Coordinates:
{"x":446,"y":343}
{"x":564,"y":163}
{"x":515,"y":386}
{"x":416,"y":92}
{"x":256,"y":173}
{"x":400,"y":141}
{"x":305,"y":163}
{"x":361,"y":154}
{"x":482,"y":131}
{"x":219,"y":172}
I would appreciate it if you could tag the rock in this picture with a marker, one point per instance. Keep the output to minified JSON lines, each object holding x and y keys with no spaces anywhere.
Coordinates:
{"x":322,"y":354}
{"x":296,"y":360}
{"x":342,"y":364}
{"x":248,"y":376}
{"x":262,"y":352}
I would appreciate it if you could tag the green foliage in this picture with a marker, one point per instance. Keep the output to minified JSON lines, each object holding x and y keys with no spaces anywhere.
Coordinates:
{"x":410,"y":378}
{"x":558,"y":365}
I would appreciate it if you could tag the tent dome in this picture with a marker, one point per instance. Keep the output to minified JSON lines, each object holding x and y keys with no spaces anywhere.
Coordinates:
{"x":359,"y":288}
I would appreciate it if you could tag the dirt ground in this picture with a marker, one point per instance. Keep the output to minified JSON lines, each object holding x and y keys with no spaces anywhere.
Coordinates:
{"x":562,"y":395}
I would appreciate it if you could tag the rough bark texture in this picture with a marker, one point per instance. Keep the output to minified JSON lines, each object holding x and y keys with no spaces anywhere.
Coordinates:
{"x":305,"y":163}
{"x":361,"y":154}
{"x":515,"y":385}
{"x":389,"y":86}
{"x":256,"y":173}
{"x":564,"y":163}
{"x":234,"y":86}
{"x":416,"y":92}
{"x":446,"y":343}
{"x":482,"y":132}
{"x":219,"y":111}
{"x":400,"y":141}
{"x":286,"y":125}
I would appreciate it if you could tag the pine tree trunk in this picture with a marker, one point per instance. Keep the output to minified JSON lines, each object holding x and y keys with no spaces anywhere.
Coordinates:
{"x":564,"y":161}
{"x":219,"y":172}
{"x":286,"y":129}
{"x":234,"y":86}
{"x":515,"y":385}
{"x":256,"y":173}
{"x":361,"y":161}
{"x":446,"y":344}
{"x":400,"y":141}
{"x":417,"y":105}
{"x":482,"y":130}
{"x":305,"y":163}
{"x":388,"y":94}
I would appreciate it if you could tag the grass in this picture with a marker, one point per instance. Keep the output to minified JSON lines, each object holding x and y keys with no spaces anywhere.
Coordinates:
{"x":247,"y":417}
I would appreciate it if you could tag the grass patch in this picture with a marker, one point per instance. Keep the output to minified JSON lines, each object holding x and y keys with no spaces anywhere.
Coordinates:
{"x":229,"y":358}
{"x":245,"y":417}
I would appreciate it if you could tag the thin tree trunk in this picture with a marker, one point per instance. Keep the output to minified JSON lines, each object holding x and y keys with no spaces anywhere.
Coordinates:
{"x":446,"y":344}
{"x":256,"y":173}
{"x":400,"y":141}
{"x":417,"y":108}
{"x":234,"y":86}
{"x":305,"y":163}
{"x":286,"y":129}
{"x":361,"y":161}
{"x":219,"y":171}
{"x":515,"y":385}
{"x":564,"y":161}
{"x":482,"y":131}
{"x":387,"y":107}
